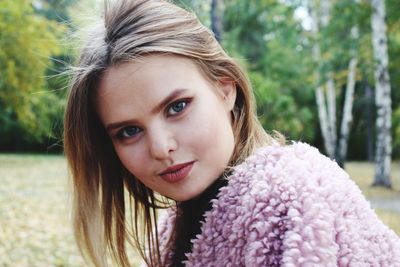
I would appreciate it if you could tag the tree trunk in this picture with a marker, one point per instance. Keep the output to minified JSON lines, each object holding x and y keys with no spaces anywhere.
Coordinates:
{"x":325,"y":6}
{"x":323,"y":121}
{"x":382,"y":95}
{"x":331,"y":102}
{"x":319,"y":94}
{"x":216,"y":22}
{"x":347,"y":116}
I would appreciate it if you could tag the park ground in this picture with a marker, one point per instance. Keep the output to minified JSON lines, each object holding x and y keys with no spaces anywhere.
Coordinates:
{"x":35,"y":228}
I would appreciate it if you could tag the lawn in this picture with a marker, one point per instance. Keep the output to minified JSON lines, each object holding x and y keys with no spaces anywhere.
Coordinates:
{"x":362,"y":173}
{"x":35,"y":212}
{"x":35,"y":227}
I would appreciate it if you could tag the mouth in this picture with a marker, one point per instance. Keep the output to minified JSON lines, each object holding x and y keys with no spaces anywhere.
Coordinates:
{"x":176,"y":173}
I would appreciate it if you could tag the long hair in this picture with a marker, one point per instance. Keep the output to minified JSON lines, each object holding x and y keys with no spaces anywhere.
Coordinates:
{"x":130,"y":30}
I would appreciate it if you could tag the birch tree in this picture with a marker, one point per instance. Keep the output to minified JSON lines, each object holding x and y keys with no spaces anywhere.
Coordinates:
{"x":326,"y":130}
{"x":326,"y":105}
{"x":330,"y":85}
{"x":335,"y":147}
{"x":349,"y":98}
{"x":382,"y":95}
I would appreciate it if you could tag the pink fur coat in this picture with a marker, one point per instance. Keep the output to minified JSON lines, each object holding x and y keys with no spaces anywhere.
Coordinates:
{"x":289,"y":206}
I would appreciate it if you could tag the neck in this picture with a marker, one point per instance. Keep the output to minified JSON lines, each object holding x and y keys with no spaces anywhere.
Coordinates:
{"x":189,"y":218}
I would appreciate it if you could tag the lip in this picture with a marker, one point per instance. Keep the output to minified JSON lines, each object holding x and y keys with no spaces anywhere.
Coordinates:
{"x":176,"y":173}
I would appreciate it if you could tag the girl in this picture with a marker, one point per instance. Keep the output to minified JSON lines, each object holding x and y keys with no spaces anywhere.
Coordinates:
{"x":158,"y":116}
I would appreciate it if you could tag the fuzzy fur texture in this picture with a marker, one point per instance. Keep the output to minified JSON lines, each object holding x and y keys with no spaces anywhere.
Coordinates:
{"x":289,"y":206}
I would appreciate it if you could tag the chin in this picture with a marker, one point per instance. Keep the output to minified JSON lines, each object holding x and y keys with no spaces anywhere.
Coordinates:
{"x":183,"y":198}
{"x":187,"y":196}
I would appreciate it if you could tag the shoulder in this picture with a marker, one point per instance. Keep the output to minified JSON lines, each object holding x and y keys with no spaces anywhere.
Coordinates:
{"x":287,"y":205}
{"x":301,"y":202}
{"x":275,"y":207}
{"x":295,"y":176}
{"x":298,"y":180}
{"x":297,"y":165}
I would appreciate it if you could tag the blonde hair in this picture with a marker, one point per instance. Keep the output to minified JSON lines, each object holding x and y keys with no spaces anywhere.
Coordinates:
{"x":135,"y":29}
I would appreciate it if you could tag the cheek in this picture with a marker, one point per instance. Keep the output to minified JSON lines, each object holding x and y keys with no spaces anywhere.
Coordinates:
{"x":199,"y":127}
{"x":131,"y":161}
{"x":210,"y":131}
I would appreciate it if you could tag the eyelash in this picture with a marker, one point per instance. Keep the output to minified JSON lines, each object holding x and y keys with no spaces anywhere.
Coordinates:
{"x":185,"y":101}
{"x":121,"y":133}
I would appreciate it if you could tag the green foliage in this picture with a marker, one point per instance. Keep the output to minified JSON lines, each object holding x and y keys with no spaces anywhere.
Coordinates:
{"x":345,"y":14}
{"x":264,"y":34}
{"x":277,"y":52}
{"x":281,"y":111}
{"x":275,"y":48}
{"x":27,"y":106}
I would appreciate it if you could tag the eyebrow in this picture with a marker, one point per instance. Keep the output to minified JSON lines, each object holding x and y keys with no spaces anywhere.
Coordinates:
{"x":174,"y":94}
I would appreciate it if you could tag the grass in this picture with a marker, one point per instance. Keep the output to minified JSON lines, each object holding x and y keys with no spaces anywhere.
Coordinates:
{"x":363,"y":172}
{"x":35,"y":228}
{"x":390,"y":219}
{"x":35,"y":213}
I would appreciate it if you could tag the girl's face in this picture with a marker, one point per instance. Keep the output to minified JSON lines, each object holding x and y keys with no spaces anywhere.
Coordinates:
{"x":170,"y":126}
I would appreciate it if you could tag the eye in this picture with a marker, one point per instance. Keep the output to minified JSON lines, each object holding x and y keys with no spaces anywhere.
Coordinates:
{"x":177,"y":107}
{"x":128,"y":132}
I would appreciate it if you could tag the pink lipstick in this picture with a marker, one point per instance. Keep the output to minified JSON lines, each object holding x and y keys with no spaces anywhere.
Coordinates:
{"x":177,"y":172}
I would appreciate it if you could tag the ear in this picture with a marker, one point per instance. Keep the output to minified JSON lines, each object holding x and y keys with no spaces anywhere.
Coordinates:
{"x":228,"y":89}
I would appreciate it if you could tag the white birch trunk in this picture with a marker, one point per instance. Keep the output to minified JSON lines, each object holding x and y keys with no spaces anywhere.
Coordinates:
{"x":331,"y":102}
{"x":347,"y":117}
{"x":330,"y":87}
{"x":319,"y":95}
{"x":382,"y":95}
{"x":324,"y":123}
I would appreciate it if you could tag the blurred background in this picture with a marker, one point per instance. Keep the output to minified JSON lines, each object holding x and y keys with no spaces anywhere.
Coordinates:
{"x":326,"y":72}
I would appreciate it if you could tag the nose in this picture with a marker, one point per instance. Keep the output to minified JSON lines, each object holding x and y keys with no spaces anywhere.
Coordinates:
{"x":161,"y":143}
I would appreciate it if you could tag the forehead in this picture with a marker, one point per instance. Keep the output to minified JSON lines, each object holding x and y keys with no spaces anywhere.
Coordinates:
{"x":150,"y":71}
{"x":143,"y":83}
